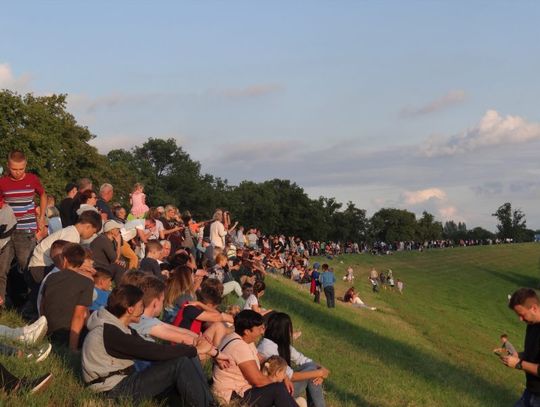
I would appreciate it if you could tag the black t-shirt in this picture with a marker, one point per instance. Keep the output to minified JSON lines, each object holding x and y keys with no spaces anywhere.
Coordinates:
{"x":531,"y":353}
{"x":151,"y":266}
{"x":189,"y":316}
{"x":65,"y":212}
{"x":63,"y":291}
{"x":103,"y":251}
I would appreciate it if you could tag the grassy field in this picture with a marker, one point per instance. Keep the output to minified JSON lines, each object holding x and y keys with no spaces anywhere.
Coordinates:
{"x":430,"y":346}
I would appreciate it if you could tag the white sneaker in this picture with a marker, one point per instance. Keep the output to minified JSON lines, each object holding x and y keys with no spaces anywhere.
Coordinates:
{"x":39,"y":355}
{"x":35,"y":332}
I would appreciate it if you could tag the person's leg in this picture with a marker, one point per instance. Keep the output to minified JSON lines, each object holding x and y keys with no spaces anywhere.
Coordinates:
{"x":274,"y":394}
{"x":6,"y":256}
{"x":8,"y":382}
{"x":23,"y":244}
{"x":11,"y":333}
{"x":7,"y":350}
{"x":184,"y":375}
{"x":314,"y":392}
{"x":327,"y":296}
{"x":231,"y":286}
{"x":332,"y":297}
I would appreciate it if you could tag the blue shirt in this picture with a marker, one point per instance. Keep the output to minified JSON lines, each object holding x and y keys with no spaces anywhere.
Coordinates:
{"x":100,"y":299}
{"x":327,"y":279}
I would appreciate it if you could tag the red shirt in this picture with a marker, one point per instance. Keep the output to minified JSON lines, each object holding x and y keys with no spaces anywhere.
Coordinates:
{"x":19,"y":194}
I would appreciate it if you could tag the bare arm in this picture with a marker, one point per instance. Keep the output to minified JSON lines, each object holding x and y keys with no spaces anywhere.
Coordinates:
{"x":253,"y":375}
{"x":168,"y":332}
{"x":215,"y":317}
{"x":528,"y":367}
{"x":77,"y":323}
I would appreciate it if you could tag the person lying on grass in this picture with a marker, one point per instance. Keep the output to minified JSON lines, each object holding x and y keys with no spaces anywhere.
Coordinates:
{"x":304,"y":373}
{"x":352,"y":298}
{"x":111,"y":348}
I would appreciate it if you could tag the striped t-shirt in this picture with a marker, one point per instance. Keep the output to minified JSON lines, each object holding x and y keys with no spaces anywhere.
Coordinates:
{"x":19,"y":194}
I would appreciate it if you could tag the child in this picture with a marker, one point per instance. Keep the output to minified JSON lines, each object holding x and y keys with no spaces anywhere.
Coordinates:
{"x":150,"y":263}
{"x":247,"y":290}
{"x":315,"y":288}
{"x":138,"y":201}
{"x":506,"y":347}
{"x":102,"y":288}
{"x":275,"y":368}
{"x":328,"y":280}
{"x":349,"y":277}
{"x":400,"y":286}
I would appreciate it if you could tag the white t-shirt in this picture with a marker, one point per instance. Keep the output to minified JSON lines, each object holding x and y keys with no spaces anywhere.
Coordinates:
{"x":217,"y":234}
{"x":252,"y":300}
{"x":40,"y":256}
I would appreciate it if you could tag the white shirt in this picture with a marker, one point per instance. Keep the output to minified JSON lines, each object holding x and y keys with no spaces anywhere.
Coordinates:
{"x":252,"y":300}
{"x":40,"y":256}
{"x":217,"y":234}
{"x":269,"y":348}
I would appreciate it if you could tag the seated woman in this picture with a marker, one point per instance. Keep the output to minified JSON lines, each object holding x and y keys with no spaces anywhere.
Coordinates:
{"x":224,"y":276}
{"x":353,"y":298}
{"x":243,"y":380}
{"x":252,"y":302}
{"x":306,"y":375}
{"x":192,"y":315}
{"x":180,"y":289}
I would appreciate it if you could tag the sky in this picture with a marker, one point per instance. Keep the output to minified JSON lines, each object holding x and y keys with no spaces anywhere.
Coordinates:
{"x":419,"y":105}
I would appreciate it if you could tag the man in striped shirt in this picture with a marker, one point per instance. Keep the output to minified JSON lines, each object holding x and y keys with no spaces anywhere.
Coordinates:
{"x":18,"y":188}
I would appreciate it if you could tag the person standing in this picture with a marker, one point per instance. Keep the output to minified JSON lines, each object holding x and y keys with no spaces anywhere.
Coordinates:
{"x":67,"y":204}
{"x":327,"y":281}
{"x":526,"y":304}
{"x":18,"y":189}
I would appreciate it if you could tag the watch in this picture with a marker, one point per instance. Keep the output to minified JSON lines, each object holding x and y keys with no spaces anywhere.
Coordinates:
{"x":518,"y":365}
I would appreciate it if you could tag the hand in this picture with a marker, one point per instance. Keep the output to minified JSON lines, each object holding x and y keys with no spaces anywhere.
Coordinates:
{"x":288,"y":385}
{"x":223,"y":360}
{"x":203,"y":346}
{"x":318,"y":381}
{"x":510,"y":361}
{"x":324,"y":372}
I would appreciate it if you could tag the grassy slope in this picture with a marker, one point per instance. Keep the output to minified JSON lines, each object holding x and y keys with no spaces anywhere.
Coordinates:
{"x":428,"y":347}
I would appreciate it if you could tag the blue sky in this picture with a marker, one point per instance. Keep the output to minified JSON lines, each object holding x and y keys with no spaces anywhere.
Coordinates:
{"x":418,"y":105}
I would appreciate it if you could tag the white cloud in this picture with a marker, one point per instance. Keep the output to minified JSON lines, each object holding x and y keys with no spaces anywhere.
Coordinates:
{"x":452,"y":98}
{"x":417,"y":197}
{"x":9,"y":81}
{"x":492,"y":130}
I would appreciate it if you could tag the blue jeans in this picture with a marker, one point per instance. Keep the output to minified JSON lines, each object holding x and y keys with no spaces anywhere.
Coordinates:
{"x":184,"y":376}
{"x":21,"y":245}
{"x":528,"y":399}
{"x":314,"y":392}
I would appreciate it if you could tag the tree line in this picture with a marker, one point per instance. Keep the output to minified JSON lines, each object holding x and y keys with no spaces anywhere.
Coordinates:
{"x":59,"y":152}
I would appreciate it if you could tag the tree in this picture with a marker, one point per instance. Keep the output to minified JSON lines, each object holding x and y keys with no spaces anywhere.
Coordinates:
{"x":391,"y":225}
{"x":427,"y":228}
{"x":512,"y":223}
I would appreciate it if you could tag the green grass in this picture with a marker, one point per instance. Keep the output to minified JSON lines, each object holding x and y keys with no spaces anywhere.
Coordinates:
{"x":430,"y":346}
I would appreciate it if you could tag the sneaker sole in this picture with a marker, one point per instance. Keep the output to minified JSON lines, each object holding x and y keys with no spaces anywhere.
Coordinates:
{"x":41,"y":386}
{"x":45,"y":354}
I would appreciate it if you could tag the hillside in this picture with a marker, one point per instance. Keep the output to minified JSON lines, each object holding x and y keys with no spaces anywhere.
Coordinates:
{"x":430,"y":346}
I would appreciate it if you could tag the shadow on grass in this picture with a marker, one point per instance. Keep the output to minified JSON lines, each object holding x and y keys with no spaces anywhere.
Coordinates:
{"x":519,"y":280}
{"x":392,"y":352}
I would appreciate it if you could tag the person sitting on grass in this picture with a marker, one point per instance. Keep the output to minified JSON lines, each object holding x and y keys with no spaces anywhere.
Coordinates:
{"x":243,"y":380}
{"x":102,"y":288}
{"x":252,"y":303}
{"x":247,"y":290}
{"x":305,"y":374}
{"x":28,"y":336}
{"x":275,"y":367}
{"x":224,"y":276}
{"x":352,"y":298}
{"x":111,"y":348}
{"x":150,"y":263}
{"x":66,"y":298}
{"x":180,"y":288}
{"x":193,"y":315}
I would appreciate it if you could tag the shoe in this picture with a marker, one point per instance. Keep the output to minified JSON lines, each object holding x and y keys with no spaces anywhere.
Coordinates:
{"x":40,"y":354}
{"x":35,"y":332}
{"x":35,"y":385}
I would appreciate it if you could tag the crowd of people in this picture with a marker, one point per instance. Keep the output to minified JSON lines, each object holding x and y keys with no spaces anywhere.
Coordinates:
{"x":139,"y":292}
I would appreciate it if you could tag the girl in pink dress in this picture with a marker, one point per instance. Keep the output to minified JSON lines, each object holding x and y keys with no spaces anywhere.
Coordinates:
{"x":138,"y":201}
